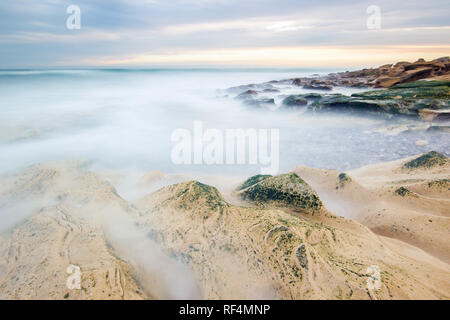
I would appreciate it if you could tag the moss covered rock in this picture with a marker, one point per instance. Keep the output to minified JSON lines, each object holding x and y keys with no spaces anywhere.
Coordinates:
{"x":343,"y":179}
{"x":427,"y":160}
{"x":402,"y":191}
{"x":405,"y":99}
{"x":286,"y":190}
{"x":253,"y":180}
{"x":294,"y":101}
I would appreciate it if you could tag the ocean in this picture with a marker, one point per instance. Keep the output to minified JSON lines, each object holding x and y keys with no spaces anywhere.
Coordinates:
{"x":124,"y":119}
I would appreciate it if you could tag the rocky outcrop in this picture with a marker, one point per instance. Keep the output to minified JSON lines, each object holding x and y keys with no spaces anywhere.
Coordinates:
{"x":427,"y":160}
{"x":389,"y":75}
{"x":252,"y":180}
{"x":412,"y":99}
{"x":286,"y":190}
{"x":294,"y":101}
{"x":406,"y":93}
{"x":384,"y":76}
{"x":434,"y":115}
{"x":247,"y":94}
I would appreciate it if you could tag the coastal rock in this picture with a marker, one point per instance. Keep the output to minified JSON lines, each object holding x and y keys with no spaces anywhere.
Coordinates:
{"x":318,"y":87}
{"x":442,"y":129}
{"x":427,"y":160}
{"x":247,"y":94}
{"x":295,"y":101}
{"x":253,"y":180}
{"x":434,"y":115}
{"x":389,"y":75}
{"x":242,"y":88}
{"x":297,"y":82}
{"x":260,"y":102}
{"x":339,"y":102}
{"x":272,"y":90}
{"x":286,"y":190}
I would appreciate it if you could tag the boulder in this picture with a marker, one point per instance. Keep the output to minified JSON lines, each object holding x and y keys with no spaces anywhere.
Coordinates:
{"x":295,"y":101}
{"x":285,"y":190}
{"x":247,"y":94}
{"x":427,"y":160}
{"x":260,"y":102}
{"x":318,"y":87}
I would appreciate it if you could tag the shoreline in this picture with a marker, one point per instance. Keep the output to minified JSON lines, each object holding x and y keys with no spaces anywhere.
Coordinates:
{"x":356,"y":191}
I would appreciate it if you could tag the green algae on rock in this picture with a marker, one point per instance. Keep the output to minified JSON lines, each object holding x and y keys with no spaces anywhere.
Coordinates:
{"x":253,"y":180}
{"x":295,"y":101}
{"x":286,"y":190}
{"x":402,"y":191}
{"x":427,"y":160}
{"x":405,"y":99}
{"x":344,"y":179}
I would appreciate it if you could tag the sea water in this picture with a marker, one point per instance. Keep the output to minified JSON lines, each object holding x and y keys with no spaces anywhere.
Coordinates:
{"x":124,"y":118}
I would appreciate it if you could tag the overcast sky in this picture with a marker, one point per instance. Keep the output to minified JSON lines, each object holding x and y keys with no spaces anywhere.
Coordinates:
{"x":277,"y":33}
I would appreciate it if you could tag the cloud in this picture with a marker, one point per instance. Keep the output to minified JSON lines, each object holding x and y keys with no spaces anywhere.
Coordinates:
{"x":33,"y":33}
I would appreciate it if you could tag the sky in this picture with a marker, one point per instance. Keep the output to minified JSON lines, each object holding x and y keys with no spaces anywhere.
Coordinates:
{"x":229,"y":33}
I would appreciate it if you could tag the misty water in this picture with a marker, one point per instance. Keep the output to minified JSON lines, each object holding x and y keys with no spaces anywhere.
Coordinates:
{"x":124,"y":119}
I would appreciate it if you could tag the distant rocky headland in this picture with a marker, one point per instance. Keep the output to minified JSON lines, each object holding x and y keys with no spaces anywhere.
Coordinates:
{"x":419,"y":89}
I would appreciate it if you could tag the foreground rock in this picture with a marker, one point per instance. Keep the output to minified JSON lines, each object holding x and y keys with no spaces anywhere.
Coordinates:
{"x":265,"y":250}
{"x":427,"y":160}
{"x":268,"y":252}
{"x":51,"y":206}
{"x":286,"y":190}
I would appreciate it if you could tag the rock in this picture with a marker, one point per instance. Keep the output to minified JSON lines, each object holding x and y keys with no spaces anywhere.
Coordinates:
{"x":339,"y":102}
{"x":271,"y":90}
{"x":253,"y":180}
{"x":247,"y":94}
{"x":427,"y":160}
{"x":344,"y":179}
{"x":440,"y":183}
{"x":443,"y":129}
{"x":434,"y":115}
{"x":297,"y":82}
{"x":301,"y":256}
{"x":402,"y":191}
{"x":295,"y":100}
{"x":191,"y":195}
{"x":427,"y":99}
{"x":406,"y":72}
{"x":260,"y":102}
{"x":389,"y":75}
{"x":318,"y":87}
{"x":286,"y":190}
{"x":421,"y":143}
{"x":311,"y":96}
{"x":241,"y":88}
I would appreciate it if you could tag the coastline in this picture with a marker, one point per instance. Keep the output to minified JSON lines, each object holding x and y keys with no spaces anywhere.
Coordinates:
{"x":305,"y":233}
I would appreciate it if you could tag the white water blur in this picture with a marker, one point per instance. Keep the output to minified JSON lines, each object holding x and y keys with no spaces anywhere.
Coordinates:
{"x":124,"y":119}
